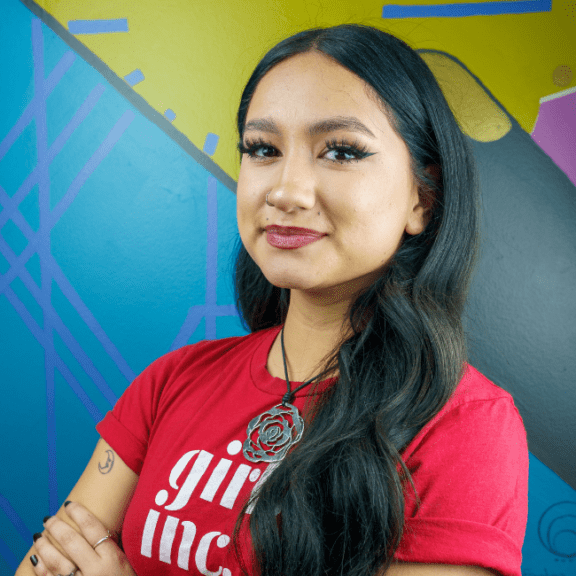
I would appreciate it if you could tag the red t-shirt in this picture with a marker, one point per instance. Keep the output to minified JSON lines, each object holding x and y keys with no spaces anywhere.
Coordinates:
{"x":181,"y":424}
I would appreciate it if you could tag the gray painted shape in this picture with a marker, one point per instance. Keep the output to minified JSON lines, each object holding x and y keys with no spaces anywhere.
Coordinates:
{"x":521,"y":312}
{"x":133,"y":97}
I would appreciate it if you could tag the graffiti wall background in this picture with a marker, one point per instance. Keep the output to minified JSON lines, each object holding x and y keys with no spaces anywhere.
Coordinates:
{"x":118,"y":216}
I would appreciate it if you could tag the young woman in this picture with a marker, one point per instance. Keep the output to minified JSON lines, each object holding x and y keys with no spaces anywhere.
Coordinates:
{"x":346,"y":435}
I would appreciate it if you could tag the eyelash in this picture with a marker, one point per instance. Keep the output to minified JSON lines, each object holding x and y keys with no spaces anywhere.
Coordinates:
{"x":342,"y":146}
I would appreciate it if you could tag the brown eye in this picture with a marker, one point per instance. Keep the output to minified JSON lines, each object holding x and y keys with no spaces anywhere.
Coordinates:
{"x":257,"y":149}
{"x":343,"y":151}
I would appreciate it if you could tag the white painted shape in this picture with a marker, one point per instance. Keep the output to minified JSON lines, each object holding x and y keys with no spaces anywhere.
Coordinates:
{"x":254,"y":495}
{"x":148,"y":534}
{"x":234,"y":447}
{"x":216,"y":479}
{"x":161,"y":497}
{"x":186,"y":544}
{"x":168,"y":538}
{"x":223,"y":541}
{"x":200,"y":466}
{"x":202,"y":554}
{"x":235,"y":485}
{"x":179,"y":467}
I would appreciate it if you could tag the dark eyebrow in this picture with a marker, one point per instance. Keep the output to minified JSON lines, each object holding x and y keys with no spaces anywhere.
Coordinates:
{"x":322,"y":127}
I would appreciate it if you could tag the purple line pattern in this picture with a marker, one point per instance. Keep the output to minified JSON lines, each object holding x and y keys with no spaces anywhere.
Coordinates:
{"x":492,"y":8}
{"x":8,"y":555}
{"x":26,"y":535}
{"x":15,"y":519}
{"x":210,"y":310}
{"x":210,"y":143}
{"x":135,"y":77}
{"x":39,"y":242}
{"x":97,"y":26}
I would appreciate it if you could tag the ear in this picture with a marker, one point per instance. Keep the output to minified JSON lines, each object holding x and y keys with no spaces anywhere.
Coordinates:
{"x":426,"y":201}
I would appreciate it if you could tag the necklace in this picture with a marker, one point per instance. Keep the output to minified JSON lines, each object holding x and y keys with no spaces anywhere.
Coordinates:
{"x":274,"y":432}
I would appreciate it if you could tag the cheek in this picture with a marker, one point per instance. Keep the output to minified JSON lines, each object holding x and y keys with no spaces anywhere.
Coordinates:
{"x":373,"y":233}
{"x":356,"y":193}
{"x":249,"y":221}
{"x":243,"y":219}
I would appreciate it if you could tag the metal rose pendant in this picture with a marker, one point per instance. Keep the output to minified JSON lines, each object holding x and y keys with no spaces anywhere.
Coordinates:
{"x":273,"y":433}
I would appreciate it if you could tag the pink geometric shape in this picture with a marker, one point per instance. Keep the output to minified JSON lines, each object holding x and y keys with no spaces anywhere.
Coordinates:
{"x":555,"y":130}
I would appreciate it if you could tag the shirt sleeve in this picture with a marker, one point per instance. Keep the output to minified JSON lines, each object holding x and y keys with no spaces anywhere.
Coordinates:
{"x":470,"y":470}
{"x":128,"y":425}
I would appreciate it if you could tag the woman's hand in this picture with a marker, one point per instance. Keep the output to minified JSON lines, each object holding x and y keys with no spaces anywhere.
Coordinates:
{"x":106,"y":559}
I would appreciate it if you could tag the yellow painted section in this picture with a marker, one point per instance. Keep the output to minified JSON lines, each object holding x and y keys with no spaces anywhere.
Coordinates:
{"x":477,"y":113}
{"x":197,"y":56}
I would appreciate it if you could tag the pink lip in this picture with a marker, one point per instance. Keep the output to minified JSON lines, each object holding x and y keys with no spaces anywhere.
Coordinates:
{"x":290,"y":241}
{"x":292,"y":230}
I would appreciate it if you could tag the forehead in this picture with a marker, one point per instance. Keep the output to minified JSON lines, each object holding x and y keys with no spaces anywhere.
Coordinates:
{"x":312,"y":85}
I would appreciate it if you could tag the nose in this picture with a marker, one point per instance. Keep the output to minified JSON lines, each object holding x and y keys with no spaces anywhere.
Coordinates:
{"x":294,"y":182}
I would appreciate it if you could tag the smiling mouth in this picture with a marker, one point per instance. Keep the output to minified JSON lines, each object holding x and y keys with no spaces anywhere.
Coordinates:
{"x":286,"y":230}
{"x":290,"y":241}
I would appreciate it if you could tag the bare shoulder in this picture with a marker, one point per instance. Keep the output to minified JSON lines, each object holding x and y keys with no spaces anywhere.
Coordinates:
{"x":414,"y":569}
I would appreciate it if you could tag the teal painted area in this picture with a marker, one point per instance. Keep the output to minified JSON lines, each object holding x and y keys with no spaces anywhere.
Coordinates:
{"x":30,"y":209}
{"x":28,"y":300}
{"x":4,"y":567}
{"x":4,"y":266}
{"x":54,"y":49}
{"x":66,"y":98}
{"x":19,"y":160}
{"x":79,"y":80}
{"x":14,"y":237}
{"x":551,"y":524}
{"x":227,"y":238}
{"x":73,"y":449}
{"x":33,"y":267}
{"x":132,"y":245}
{"x":145,"y":245}
{"x":228,"y":326}
{"x":16,"y":94}
{"x":92,"y":348}
{"x":22,"y":427}
{"x":199,"y":333}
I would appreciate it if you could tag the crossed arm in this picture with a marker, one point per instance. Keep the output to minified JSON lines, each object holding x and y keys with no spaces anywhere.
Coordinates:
{"x":99,"y":502}
{"x":105,"y":489}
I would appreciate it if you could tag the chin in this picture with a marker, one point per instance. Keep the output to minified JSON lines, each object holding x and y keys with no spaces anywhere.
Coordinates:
{"x":288,"y":281}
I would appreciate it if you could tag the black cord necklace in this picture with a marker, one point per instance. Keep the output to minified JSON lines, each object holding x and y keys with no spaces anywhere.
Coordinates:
{"x":273,"y":433}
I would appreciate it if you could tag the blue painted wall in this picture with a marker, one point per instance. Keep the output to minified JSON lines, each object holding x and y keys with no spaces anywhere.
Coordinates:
{"x":115,"y":247}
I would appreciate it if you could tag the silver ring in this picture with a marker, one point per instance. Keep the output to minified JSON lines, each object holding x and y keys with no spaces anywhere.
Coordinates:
{"x":102,"y":540}
{"x":71,"y":573}
{"x":267,"y":200}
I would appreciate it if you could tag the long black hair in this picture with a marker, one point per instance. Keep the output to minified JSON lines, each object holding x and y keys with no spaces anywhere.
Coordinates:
{"x":340,"y":491}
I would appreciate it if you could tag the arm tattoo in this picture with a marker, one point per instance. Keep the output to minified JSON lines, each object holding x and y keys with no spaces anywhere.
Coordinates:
{"x":107,"y":466}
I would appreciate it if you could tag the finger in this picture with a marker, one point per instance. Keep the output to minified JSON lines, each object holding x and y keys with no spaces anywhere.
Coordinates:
{"x":92,"y":529}
{"x":52,"y":558}
{"x":39,"y":566}
{"x":74,"y":544}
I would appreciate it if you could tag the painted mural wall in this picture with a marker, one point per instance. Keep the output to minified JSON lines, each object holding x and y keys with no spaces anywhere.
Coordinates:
{"x":118,"y":216}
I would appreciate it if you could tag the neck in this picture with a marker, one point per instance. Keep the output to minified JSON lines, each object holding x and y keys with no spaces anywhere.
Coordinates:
{"x":311,"y":331}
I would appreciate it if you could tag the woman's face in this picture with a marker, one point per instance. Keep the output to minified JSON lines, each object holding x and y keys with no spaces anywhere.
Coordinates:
{"x":352,"y":183}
